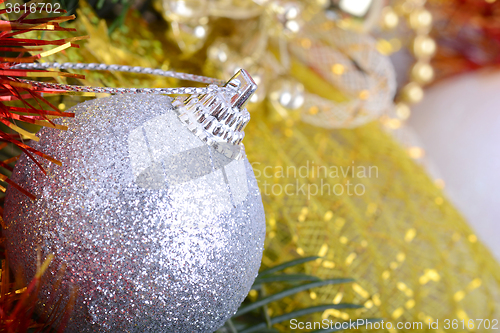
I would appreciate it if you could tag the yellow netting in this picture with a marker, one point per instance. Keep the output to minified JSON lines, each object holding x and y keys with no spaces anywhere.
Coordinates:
{"x":412,"y":254}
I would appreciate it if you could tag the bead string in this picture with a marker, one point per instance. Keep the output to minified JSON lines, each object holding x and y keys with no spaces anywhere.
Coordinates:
{"x":423,"y":47}
{"x":214,"y":84}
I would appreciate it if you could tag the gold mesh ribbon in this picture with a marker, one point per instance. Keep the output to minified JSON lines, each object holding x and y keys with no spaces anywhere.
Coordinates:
{"x":349,"y":61}
{"x":411,"y":253}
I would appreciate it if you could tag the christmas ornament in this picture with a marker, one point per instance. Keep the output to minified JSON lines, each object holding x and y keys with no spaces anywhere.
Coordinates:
{"x":155,"y":211}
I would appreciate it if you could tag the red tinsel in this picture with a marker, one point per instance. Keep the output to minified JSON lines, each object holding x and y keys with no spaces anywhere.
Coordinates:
{"x":20,"y":102}
{"x":467,"y":33}
{"x":35,"y":108}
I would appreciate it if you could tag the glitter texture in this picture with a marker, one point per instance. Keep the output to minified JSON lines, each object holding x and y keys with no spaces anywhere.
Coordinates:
{"x":159,"y":231}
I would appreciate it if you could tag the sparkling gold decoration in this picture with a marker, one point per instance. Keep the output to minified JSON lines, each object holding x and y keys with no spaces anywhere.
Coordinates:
{"x":360,"y":15}
{"x":422,"y":72}
{"x":390,"y":19}
{"x":403,"y":111}
{"x":343,"y":58}
{"x":338,"y":69}
{"x":184,"y":10}
{"x":189,"y":23}
{"x":353,"y":83}
{"x":421,"y":20}
{"x":288,"y":14}
{"x":287,"y":93}
{"x":412,"y":93}
{"x":190,"y":36}
{"x":400,"y":19}
{"x":424,"y":46}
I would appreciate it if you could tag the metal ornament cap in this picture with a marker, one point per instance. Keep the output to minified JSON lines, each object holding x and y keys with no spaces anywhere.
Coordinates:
{"x":219,"y":116}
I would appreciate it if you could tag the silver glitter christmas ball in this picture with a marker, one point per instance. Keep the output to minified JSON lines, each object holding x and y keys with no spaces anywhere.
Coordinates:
{"x":159,"y":231}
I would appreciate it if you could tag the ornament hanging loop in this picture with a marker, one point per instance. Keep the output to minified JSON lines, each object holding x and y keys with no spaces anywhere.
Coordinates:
{"x":216,"y":114}
{"x":219,"y":116}
{"x":244,"y":87}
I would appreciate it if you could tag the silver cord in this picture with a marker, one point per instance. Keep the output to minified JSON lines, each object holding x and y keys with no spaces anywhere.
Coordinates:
{"x":216,"y":113}
{"x":214,"y":84}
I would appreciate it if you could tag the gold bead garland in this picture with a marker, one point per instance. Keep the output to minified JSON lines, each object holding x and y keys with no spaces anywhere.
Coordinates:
{"x":423,"y":48}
